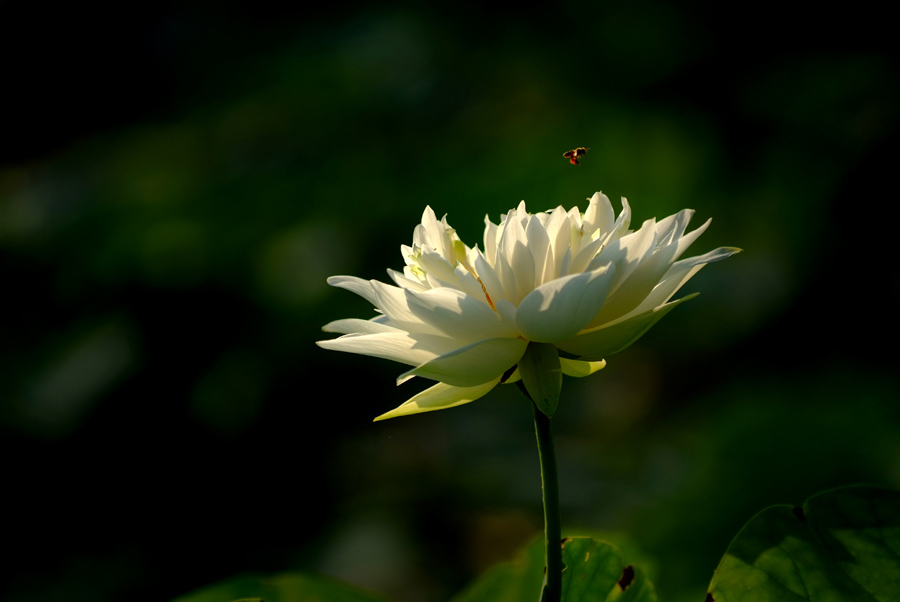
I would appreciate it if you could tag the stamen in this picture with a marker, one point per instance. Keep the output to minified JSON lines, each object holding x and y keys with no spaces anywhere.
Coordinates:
{"x":486,"y":295}
{"x":463,"y":260}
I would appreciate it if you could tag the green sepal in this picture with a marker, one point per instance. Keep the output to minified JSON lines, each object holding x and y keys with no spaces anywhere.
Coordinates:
{"x":542,"y":376}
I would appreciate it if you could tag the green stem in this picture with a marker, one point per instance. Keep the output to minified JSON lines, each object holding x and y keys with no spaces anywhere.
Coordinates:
{"x":552,"y":591}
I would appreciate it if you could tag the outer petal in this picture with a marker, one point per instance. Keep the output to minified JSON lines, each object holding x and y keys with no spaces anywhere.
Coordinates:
{"x":579,"y":368}
{"x":361,"y":287}
{"x":678,"y":275}
{"x":473,"y":364}
{"x":605,"y":341}
{"x":399,"y":346}
{"x":392,"y":302}
{"x":560,"y":308}
{"x":628,"y":252}
{"x":637,"y":286}
{"x":357,"y":326}
{"x":688,"y":239}
{"x":672,"y":228}
{"x":440,"y":397}
{"x":623,"y":223}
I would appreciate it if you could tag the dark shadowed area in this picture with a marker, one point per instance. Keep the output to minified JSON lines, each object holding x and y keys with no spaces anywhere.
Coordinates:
{"x":178,"y":180}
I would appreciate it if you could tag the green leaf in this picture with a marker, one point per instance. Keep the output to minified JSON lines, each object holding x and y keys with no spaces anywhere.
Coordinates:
{"x":542,"y":375}
{"x":283,"y":587}
{"x":593,"y":572}
{"x":842,"y":545}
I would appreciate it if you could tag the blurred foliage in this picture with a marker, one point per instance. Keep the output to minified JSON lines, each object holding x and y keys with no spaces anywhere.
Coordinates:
{"x":840,"y":543}
{"x":594,"y":570}
{"x":287,"y":587}
{"x":166,"y":232}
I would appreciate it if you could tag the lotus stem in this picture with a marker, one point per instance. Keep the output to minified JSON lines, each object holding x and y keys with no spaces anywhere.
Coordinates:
{"x":552,"y":590}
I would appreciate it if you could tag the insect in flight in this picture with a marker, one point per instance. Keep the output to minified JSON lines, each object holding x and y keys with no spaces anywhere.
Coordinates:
{"x":574,"y":154}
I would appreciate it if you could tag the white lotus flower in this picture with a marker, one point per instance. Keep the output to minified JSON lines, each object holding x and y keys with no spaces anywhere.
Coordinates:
{"x":583,"y":284}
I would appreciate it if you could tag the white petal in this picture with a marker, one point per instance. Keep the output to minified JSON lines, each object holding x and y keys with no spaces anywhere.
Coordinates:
{"x":679,"y":273}
{"x":459,"y":315}
{"x":628,"y":252}
{"x":436,"y":266}
{"x":559,"y":230}
{"x":433,"y":234}
{"x":469,"y":284}
{"x":560,"y":308}
{"x":404,"y":281}
{"x":623,"y":223}
{"x":507,"y":312}
{"x":587,"y":253}
{"x":440,"y":397}
{"x":391,"y":300}
{"x":671,"y":228}
{"x":599,"y":216}
{"x":473,"y":364}
{"x":539,"y":246}
{"x":361,"y":287}
{"x":575,"y":218}
{"x":605,"y":341}
{"x":491,"y":236}
{"x":515,"y":261}
{"x":685,"y":241}
{"x":357,"y":326}
{"x":399,"y":346}
{"x":489,"y":278}
{"x":631,"y":293}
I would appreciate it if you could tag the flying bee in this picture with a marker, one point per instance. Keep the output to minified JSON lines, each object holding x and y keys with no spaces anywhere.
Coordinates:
{"x":575,"y":154}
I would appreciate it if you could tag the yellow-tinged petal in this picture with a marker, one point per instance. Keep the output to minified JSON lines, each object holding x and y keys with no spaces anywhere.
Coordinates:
{"x":471,"y":365}
{"x":440,"y":397}
{"x":580,"y":368}
{"x":514,"y":377}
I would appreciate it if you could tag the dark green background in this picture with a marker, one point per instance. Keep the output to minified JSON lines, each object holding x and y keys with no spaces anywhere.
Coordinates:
{"x":179,"y":179}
